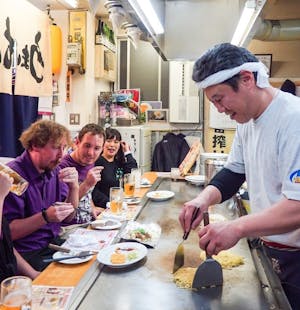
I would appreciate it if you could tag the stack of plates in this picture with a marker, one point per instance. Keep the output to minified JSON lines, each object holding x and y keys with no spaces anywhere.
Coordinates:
{"x":195,"y":179}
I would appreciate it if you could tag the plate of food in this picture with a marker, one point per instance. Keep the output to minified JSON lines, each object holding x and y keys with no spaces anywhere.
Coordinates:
{"x":71,"y":261}
{"x":147,"y":234}
{"x":122,"y":254}
{"x":195,"y":179}
{"x":106,"y":224}
{"x":160,"y":195}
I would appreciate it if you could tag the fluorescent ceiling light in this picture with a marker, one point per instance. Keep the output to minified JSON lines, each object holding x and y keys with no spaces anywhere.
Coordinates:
{"x":147,"y":15}
{"x":245,"y":23}
{"x":72,"y":3}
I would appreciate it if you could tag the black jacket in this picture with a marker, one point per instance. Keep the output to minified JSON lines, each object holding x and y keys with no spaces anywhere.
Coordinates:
{"x":169,"y":152}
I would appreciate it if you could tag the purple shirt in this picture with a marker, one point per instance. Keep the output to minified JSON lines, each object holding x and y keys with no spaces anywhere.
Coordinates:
{"x":68,"y":161}
{"x":43,"y":190}
{"x":84,"y":210}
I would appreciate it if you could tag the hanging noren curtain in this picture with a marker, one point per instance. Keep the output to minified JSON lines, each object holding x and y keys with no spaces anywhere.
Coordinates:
{"x":16,"y":114}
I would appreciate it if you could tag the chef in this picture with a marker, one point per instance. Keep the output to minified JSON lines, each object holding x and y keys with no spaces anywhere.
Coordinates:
{"x":265,"y":153}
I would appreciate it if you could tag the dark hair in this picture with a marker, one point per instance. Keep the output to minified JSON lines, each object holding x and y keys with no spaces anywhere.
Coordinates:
{"x":92,"y":128}
{"x":41,"y":132}
{"x":220,"y":57}
{"x":289,"y":87}
{"x":111,"y":134}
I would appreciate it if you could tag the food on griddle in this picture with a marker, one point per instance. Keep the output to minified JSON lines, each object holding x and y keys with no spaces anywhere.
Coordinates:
{"x":140,"y":234}
{"x":184,"y":277}
{"x":227,"y":259}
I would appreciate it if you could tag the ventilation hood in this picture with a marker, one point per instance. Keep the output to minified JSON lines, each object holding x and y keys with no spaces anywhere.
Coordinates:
{"x":278,"y":30}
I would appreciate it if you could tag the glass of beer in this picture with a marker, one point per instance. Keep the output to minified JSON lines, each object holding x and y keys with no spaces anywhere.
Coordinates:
{"x":19,"y":185}
{"x":116,"y":199}
{"x":16,"y":293}
{"x":129,"y":184}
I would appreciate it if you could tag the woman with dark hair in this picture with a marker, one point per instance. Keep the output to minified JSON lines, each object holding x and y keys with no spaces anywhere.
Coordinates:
{"x":117,"y":160}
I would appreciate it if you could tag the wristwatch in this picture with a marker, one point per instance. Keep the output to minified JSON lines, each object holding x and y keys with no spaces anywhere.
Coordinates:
{"x":44,"y":215}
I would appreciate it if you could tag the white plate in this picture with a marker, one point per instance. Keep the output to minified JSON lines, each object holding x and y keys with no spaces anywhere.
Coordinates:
{"x":145,"y":185}
{"x":71,"y":261}
{"x":132,"y":201}
{"x":160,"y":195}
{"x":104,"y":255}
{"x":195,"y":179}
{"x":100,"y":224}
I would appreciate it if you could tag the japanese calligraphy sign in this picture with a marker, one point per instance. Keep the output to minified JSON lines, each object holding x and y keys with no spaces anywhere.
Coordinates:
{"x":25,"y":46}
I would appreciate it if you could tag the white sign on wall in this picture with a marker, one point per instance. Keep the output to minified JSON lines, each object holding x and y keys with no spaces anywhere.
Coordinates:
{"x":220,"y":120}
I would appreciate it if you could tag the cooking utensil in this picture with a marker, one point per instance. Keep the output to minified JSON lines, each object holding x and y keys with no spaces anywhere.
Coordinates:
{"x":209,"y":273}
{"x":179,"y":255}
{"x":79,"y":255}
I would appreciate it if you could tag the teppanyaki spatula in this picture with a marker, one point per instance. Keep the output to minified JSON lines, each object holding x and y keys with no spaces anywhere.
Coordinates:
{"x":179,"y":255}
{"x":209,"y":273}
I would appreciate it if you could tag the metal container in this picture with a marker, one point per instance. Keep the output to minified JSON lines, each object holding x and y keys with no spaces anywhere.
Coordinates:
{"x":212,"y":167}
{"x":205,"y":156}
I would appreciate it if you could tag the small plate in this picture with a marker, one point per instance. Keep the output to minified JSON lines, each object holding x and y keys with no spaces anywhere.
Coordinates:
{"x":104,"y":255}
{"x":132,"y":201}
{"x":160,"y":195}
{"x":195,"y":179}
{"x":145,"y":185}
{"x":106,"y":224}
{"x":71,"y":261}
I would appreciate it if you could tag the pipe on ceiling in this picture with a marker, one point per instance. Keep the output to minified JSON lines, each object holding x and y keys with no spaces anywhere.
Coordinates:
{"x":278,"y":30}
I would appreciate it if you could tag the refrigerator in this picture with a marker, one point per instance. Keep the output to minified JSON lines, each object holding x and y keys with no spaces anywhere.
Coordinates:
{"x":139,"y":139}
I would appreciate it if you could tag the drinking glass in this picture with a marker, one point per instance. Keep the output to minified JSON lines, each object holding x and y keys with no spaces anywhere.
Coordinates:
{"x":19,"y":185}
{"x":116,"y":199}
{"x":137,"y":176}
{"x":16,"y":293}
{"x":175,"y":173}
{"x":129,"y":184}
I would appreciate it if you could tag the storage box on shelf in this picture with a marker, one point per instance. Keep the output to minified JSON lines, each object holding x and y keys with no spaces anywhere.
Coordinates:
{"x":105,"y":63}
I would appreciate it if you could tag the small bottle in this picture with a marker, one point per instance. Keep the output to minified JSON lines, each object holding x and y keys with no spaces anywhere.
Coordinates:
{"x":99,"y":32}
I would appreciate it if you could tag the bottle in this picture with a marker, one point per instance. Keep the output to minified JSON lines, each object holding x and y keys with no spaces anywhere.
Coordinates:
{"x":99,"y":32}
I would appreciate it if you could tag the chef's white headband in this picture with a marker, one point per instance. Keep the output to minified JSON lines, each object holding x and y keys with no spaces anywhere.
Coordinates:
{"x":223,"y":75}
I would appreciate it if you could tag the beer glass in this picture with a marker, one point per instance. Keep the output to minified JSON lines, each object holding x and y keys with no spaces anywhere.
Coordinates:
{"x":129,"y":184}
{"x":116,"y":199}
{"x":19,"y":185}
{"x":16,"y":293}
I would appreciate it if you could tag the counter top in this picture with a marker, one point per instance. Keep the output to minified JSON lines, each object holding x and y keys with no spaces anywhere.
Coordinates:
{"x":149,"y":283}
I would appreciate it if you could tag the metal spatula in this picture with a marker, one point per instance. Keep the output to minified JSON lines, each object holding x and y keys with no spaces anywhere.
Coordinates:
{"x":179,"y":255}
{"x":209,"y":273}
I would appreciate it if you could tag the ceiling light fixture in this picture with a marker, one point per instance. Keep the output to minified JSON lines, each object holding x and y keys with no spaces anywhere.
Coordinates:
{"x":249,"y":15}
{"x":146,"y":13}
{"x":72,"y":3}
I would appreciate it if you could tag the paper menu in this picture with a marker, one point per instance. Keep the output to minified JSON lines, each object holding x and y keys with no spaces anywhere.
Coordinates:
{"x":51,"y":297}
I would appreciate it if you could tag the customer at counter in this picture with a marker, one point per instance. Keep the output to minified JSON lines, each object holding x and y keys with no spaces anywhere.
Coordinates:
{"x":11,"y":262}
{"x":88,"y":147}
{"x":265,"y":151}
{"x":35,"y":217}
{"x":117,"y":160}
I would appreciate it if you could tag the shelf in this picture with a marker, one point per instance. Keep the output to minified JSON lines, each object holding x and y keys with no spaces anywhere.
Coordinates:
{"x":105,"y":63}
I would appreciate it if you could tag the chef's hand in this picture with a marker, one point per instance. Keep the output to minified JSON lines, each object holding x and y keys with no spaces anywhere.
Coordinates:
{"x":69,"y":175}
{"x":59,"y":211}
{"x":216,"y":237}
{"x":93,"y":176}
{"x":185,"y":216}
{"x":125,"y":147}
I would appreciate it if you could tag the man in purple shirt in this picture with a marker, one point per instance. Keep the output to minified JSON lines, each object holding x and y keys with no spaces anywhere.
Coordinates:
{"x":35,"y":217}
{"x":88,"y":147}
